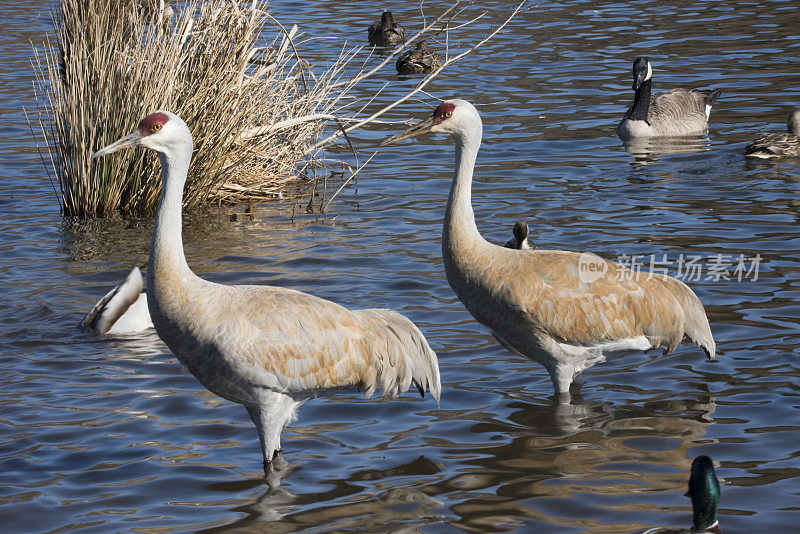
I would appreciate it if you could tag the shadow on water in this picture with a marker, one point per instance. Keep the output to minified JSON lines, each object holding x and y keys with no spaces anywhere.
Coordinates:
{"x":530,"y":466}
{"x":647,"y":150}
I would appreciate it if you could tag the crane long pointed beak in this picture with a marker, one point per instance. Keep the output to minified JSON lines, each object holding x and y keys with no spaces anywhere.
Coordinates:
{"x":130,"y":140}
{"x":413,"y":131}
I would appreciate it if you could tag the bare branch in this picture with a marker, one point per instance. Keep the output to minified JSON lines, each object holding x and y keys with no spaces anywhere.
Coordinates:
{"x":517,"y":9}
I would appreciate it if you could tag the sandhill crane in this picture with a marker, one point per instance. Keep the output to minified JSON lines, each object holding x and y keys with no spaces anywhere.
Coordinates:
{"x":520,"y":239}
{"x":267,"y":348}
{"x":386,"y":32}
{"x":673,"y":113}
{"x":704,"y":492}
{"x":123,"y":310}
{"x":418,"y":60}
{"x":563,"y":309}
{"x":778,"y":145}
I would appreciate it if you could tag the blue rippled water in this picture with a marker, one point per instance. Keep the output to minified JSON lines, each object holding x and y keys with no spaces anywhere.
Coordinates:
{"x":110,"y":435}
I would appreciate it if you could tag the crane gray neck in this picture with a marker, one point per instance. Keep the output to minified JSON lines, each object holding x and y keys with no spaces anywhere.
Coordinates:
{"x":459,"y":223}
{"x":166,"y":247}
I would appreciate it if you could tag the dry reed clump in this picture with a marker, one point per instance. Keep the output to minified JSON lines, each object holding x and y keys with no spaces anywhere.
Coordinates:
{"x":113,"y":62}
{"x":257,"y":111}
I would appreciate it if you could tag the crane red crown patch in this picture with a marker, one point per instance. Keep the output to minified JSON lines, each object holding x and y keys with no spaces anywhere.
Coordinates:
{"x":152,"y":123}
{"x":443,"y":111}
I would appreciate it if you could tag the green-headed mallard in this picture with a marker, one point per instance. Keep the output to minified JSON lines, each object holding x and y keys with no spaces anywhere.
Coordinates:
{"x":520,"y":239}
{"x":704,"y":492}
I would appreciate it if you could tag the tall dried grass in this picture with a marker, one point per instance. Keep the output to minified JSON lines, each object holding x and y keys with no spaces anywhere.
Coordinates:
{"x":254,"y":108}
{"x":111,"y":64}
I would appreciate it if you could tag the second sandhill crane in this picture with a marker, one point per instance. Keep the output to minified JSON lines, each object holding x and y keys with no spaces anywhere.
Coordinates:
{"x":562,"y":309}
{"x":267,"y":348}
{"x":673,"y":113}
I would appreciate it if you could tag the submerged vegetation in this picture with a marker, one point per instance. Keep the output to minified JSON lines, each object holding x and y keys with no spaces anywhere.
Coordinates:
{"x":257,"y":110}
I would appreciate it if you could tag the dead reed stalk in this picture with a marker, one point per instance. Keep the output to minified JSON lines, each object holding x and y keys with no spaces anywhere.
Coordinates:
{"x":112,"y":64}
{"x":257,"y":111}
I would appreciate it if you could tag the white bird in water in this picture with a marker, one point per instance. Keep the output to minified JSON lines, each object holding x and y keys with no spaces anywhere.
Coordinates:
{"x":267,"y":348}
{"x":123,"y":310}
{"x":562,"y":309}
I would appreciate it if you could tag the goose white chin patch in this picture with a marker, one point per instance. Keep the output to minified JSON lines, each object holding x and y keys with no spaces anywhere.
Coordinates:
{"x":649,"y":71}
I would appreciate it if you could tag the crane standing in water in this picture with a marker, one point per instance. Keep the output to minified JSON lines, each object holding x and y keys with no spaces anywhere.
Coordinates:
{"x":267,"y":348}
{"x":541,"y":304}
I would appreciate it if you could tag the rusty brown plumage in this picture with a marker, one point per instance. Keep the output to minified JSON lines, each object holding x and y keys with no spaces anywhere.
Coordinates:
{"x":563,"y":309}
{"x":267,"y":348}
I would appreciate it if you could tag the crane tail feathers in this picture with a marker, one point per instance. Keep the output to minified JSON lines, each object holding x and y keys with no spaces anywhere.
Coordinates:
{"x":695,"y":326}
{"x":403,"y":360}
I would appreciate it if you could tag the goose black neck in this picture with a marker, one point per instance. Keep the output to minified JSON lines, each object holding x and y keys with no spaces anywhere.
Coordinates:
{"x":641,"y":102}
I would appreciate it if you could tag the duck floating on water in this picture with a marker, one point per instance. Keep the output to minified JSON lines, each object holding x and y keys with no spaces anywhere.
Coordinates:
{"x":419,"y":60}
{"x":704,"y":492}
{"x":562,"y":309}
{"x":386,"y":32}
{"x":778,"y":145}
{"x":673,"y":113}
{"x":520,"y":239}
{"x":268,"y":348}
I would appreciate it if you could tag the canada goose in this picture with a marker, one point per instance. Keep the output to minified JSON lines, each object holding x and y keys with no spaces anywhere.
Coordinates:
{"x":778,"y":145}
{"x":267,"y":348}
{"x":673,"y":113}
{"x":520,"y":239}
{"x":418,"y":60}
{"x":704,"y":492}
{"x":123,"y":310}
{"x":386,"y":32}
{"x":562,"y":309}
